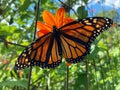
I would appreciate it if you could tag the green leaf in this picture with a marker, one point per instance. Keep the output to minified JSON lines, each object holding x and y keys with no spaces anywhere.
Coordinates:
{"x":102,"y":45}
{"x":44,"y":1}
{"x":82,"y":13}
{"x":80,"y":81}
{"x":11,"y":84}
{"x":25,"y":5}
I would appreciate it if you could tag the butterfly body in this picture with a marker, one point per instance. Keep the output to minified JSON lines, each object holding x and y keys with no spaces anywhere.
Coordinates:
{"x":71,"y":41}
{"x":56,"y":34}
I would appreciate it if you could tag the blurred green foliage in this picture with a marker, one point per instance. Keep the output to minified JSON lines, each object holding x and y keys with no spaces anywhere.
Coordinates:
{"x":99,"y":71}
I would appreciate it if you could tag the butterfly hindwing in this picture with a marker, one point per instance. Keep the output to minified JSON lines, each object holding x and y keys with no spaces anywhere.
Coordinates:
{"x":73,"y":51}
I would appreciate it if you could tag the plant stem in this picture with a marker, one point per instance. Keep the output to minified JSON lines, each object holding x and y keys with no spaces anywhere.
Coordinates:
{"x":87,"y":77}
{"x":67,"y":76}
{"x":29,"y":78}
{"x":30,"y":73}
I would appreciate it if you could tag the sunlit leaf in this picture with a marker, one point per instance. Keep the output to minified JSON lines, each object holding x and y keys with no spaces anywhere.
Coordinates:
{"x":11,"y":84}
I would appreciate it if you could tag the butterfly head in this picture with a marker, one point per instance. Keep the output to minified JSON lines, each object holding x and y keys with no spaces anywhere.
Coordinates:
{"x":56,"y":31}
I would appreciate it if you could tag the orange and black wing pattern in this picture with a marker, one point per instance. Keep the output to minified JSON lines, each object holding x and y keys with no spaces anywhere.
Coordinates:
{"x":77,"y":37}
{"x":43,"y":52}
{"x":72,"y":41}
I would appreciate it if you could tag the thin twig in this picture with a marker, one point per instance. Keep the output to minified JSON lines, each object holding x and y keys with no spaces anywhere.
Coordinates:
{"x":12,"y":43}
{"x":87,"y":77}
{"x":69,"y":7}
{"x":29,"y":78}
{"x":67,"y":76}
{"x":95,"y":73}
{"x":37,"y":12}
{"x":30,"y":73}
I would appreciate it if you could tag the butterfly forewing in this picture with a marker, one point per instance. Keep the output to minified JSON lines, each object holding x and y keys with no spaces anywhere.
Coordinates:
{"x":78,"y":36}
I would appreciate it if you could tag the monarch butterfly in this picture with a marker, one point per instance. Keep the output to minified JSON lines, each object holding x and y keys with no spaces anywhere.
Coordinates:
{"x":68,"y":38}
{"x":72,"y":41}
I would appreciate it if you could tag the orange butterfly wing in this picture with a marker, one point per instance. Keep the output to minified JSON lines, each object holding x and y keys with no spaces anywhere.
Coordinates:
{"x":73,"y":42}
{"x":77,"y":36}
{"x":43,"y":52}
